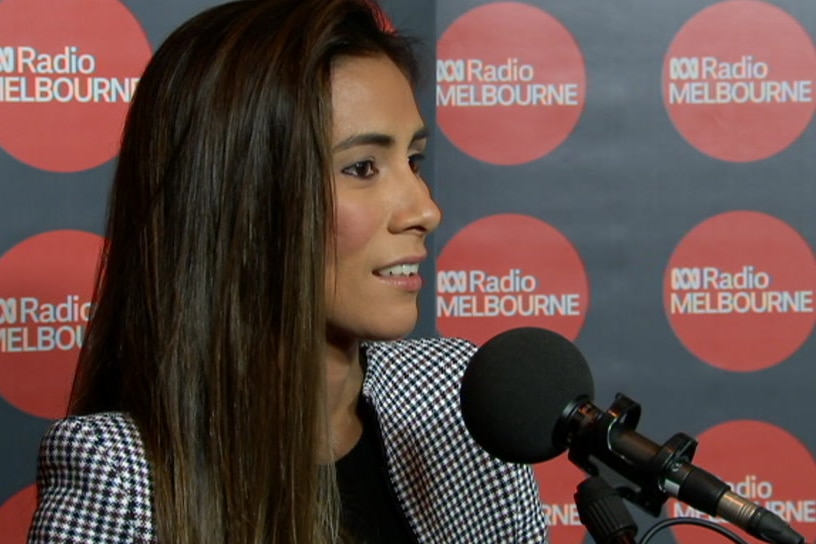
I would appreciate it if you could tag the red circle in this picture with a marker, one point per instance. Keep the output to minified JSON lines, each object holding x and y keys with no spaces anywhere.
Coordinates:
{"x":738,"y":80}
{"x":508,"y":271}
{"x":511,"y":83}
{"x":739,"y":291}
{"x":46,"y":283}
{"x":558,"y":481}
{"x":16,"y":514}
{"x":763,"y":464}
{"x":67,"y":72}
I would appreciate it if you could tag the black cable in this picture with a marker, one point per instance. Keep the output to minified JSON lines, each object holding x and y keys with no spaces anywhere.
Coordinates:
{"x":727,"y":533}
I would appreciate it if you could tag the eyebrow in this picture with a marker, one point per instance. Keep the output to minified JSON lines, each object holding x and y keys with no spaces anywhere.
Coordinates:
{"x":376,"y":138}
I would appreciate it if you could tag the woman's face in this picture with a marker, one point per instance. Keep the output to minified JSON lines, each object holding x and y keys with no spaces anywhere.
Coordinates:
{"x":383,"y":209}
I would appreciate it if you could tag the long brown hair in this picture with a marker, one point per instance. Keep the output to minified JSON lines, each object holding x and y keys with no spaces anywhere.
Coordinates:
{"x":209,"y":320}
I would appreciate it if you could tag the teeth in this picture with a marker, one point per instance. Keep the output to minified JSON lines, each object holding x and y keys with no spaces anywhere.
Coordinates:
{"x":400,"y":270}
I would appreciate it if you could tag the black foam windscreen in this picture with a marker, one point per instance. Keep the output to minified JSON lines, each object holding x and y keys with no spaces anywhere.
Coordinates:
{"x":515,"y":389}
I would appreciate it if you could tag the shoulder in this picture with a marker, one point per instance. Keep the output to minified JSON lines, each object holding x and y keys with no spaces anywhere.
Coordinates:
{"x":410,"y":376}
{"x":411,"y":369}
{"x":109,"y":439}
{"x":439,"y":355}
{"x":115,"y":432}
{"x":93,"y":482}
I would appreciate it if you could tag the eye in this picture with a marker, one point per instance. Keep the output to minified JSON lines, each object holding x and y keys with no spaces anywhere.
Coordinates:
{"x":415,"y":161}
{"x":361,"y":169}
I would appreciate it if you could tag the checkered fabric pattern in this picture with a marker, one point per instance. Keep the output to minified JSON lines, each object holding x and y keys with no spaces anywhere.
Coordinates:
{"x":451,"y":490}
{"x":94,"y":483}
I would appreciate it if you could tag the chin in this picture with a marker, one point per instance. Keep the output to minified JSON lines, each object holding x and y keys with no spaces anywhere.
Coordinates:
{"x":391,"y":334}
{"x":393,"y":327}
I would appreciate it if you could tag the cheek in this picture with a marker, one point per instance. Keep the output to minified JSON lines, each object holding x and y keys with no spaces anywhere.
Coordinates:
{"x":356,"y":226}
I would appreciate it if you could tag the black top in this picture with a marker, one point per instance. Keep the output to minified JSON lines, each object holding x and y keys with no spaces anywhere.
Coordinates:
{"x":370,"y":509}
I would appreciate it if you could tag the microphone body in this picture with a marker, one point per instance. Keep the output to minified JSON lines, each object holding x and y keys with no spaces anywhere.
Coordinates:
{"x":526,"y":397}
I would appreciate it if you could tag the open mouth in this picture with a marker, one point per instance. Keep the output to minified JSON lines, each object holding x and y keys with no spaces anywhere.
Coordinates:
{"x":404,"y":270}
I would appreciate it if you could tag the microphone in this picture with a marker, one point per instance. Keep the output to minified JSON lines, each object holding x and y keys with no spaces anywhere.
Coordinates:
{"x":526,"y":397}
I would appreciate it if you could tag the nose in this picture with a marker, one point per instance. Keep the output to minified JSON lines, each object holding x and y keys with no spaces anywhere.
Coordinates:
{"x":416,"y":209}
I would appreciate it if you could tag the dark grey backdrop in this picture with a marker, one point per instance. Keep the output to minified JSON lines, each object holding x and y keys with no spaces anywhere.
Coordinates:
{"x":625,"y":187}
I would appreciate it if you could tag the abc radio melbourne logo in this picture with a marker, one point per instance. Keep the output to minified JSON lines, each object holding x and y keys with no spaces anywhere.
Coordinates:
{"x":68,"y":71}
{"x":707,"y":290}
{"x":709,"y":80}
{"x":474,"y":82}
{"x":738,"y":80}
{"x":46,"y":290}
{"x":498,"y":273}
{"x":739,"y":290}
{"x":480,"y":294}
{"x":29,"y":325}
{"x":510,"y":83}
{"x":66,"y":76}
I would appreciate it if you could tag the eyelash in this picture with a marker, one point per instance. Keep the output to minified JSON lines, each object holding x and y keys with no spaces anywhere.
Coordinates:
{"x":415,"y":160}
{"x":371,"y":170}
{"x":354,"y":169}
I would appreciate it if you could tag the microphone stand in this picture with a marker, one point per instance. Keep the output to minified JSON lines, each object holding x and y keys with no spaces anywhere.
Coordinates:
{"x":603,"y":513}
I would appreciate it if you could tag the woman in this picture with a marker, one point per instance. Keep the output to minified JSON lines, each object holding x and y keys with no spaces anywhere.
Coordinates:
{"x":240,"y":381}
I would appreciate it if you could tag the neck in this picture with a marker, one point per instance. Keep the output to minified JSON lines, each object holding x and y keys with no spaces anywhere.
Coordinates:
{"x":344,"y":381}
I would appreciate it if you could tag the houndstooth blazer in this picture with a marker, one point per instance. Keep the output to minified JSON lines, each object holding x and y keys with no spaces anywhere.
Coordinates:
{"x":94,"y":482}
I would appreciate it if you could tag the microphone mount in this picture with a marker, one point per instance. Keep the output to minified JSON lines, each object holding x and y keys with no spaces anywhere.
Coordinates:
{"x":584,"y":429}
